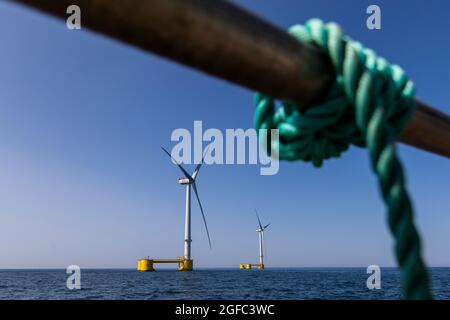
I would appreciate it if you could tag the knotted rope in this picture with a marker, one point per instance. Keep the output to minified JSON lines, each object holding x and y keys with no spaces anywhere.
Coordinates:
{"x":368,"y":106}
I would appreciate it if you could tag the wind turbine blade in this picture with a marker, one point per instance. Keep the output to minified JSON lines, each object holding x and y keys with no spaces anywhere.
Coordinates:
{"x":266,"y":226}
{"x":259,"y":221}
{"x":203,"y":215}
{"x":187,"y":175}
{"x":197,"y":168}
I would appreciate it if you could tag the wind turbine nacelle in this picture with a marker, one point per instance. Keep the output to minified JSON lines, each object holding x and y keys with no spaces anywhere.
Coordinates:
{"x":184,"y":181}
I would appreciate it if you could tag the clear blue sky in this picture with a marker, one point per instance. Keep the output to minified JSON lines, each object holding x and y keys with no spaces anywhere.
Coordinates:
{"x":83,"y":181}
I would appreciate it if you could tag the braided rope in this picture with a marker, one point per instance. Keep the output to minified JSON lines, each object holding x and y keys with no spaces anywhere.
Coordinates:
{"x":368,"y":106}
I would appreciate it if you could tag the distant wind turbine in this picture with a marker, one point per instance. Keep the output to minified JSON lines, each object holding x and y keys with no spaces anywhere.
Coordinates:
{"x":260,"y":231}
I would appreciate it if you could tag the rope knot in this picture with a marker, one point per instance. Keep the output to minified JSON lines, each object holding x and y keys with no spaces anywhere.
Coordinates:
{"x":313,"y":135}
{"x":363,"y":83}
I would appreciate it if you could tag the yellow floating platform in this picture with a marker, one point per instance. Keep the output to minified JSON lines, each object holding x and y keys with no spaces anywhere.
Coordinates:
{"x":147,"y":265}
{"x":246,"y":266}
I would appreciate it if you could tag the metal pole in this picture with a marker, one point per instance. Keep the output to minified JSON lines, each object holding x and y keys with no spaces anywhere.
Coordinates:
{"x":187,"y":224}
{"x":261,"y":258}
{"x":225,"y":41}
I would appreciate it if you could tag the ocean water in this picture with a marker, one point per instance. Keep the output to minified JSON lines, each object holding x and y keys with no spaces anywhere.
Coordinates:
{"x":314,"y":283}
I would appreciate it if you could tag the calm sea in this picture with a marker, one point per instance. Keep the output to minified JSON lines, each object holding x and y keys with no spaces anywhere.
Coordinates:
{"x":327,"y":283}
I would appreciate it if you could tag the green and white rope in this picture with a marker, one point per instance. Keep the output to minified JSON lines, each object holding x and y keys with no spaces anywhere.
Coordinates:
{"x":368,"y":106}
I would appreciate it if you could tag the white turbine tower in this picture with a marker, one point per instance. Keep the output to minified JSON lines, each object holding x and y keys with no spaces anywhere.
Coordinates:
{"x":260,"y":232}
{"x":189,"y":181}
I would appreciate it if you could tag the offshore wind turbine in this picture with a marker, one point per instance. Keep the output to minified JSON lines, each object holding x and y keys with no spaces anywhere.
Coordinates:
{"x":190,"y":182}
{"x":260,"y":232}
{"x":186,"y":263}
